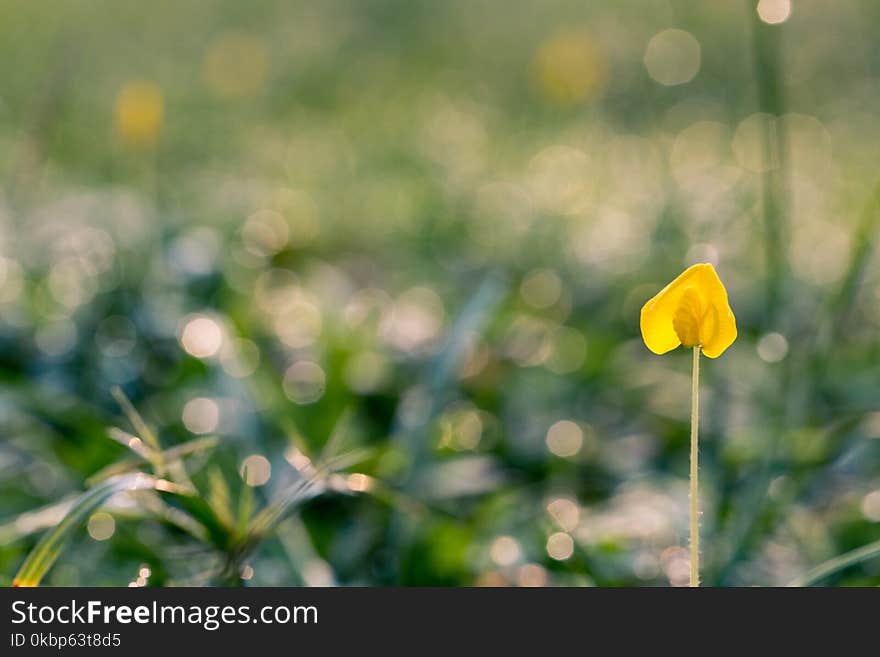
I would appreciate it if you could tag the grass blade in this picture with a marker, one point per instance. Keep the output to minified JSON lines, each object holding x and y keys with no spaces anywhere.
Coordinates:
{"x":267,"y":519}
{"x":439,"y":375}
{"x":144,"y":432}
{"x":44,"y":554}
{"x":768,"y":66}
{"x":32,"y":522}
{"x":862,"y":248}
{"x":172,"y":457}
{"x":220,"y":498}
{"x":837,"y":564}
{"x":133,"y":443}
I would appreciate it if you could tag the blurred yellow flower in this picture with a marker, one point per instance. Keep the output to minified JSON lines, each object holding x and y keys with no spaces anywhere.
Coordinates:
{"x":692,"y":311}
{"x":569,"y":68}
{"x":138,"y":113}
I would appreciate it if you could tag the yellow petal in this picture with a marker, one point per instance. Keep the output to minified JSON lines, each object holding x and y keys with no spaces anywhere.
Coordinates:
{"x":718,"y":330}
{"x":725,"y":334}
{"x":693,"y":308}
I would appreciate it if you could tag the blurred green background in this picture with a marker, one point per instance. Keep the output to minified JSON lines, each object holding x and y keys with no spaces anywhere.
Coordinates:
{"x":425,"y":229}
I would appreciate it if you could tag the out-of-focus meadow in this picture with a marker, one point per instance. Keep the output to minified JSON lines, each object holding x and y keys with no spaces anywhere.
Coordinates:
{"x":371,"y":270}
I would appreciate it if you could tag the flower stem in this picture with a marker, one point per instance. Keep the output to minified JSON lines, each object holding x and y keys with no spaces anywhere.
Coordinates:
{"x":694,"y":487}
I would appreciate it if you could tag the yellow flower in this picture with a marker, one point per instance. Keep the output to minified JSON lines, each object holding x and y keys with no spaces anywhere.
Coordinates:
{"x":138,"y":113}
{"x":570,"y":68}
{"x":691,"y":311}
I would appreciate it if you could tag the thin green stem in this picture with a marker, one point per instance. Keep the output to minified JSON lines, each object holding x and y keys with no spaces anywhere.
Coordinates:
{"x":694,"y":481}
{"x":767,"y":48}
